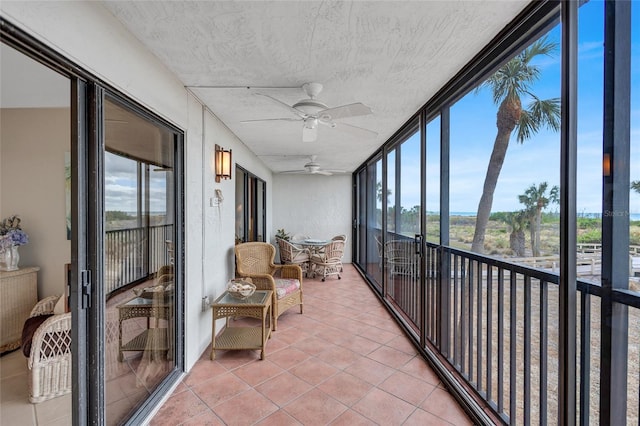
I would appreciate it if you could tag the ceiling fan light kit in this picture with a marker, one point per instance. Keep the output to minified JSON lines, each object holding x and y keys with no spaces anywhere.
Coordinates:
{"x":312,"y":168}
{"x":311,"y":123}
{"x":311,"y":111}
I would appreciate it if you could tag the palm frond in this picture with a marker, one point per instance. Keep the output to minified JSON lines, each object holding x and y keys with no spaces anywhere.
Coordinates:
{"x":542,"y":46}
{"x":513,"y":78}
{"x":526,"y":127}
{"x":546,"y":111}
{"x":539,"y":113}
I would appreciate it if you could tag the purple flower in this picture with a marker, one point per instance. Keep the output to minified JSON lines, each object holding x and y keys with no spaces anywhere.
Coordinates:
{"x":18,"y":237}
{"x":11,"y":234}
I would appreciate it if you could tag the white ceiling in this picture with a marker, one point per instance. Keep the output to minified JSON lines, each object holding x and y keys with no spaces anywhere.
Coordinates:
{"x":390,"y":55}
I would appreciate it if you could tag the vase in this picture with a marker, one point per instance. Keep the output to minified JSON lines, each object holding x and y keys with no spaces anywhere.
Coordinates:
{"x":9,"y":259}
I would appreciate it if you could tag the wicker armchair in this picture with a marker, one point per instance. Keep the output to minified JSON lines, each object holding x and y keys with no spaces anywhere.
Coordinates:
{"x":329,"y":262}
{"x":50,"y":354}
{"x":255,"y":260}
{"x":291,"y":254}
{"x":401,"y":258}
{"x":340,"y":237}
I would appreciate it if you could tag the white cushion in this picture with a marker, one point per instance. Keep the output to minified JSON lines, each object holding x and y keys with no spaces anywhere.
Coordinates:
{"x":59,"y":308}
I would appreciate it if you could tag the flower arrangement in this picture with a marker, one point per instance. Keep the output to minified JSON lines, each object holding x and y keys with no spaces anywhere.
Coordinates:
{"x":11,"y":234}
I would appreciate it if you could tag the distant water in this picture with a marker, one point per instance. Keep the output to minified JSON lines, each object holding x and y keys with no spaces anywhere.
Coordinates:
{"x":632,"y":216}
{"x":462,"y":213}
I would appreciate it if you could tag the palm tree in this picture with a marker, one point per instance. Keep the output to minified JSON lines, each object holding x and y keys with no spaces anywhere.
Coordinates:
{"x":509,"y":84}
{"x":535,"y":200}
{"x":635,"y":185}
{"x":517,"y":221}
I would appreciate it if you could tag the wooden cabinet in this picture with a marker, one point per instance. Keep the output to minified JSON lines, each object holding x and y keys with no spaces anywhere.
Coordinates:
{"x":18,"y":295}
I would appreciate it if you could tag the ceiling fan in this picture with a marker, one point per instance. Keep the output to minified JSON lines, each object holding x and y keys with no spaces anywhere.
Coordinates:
{"x":313,"y":112}
{"x":312,"y":168}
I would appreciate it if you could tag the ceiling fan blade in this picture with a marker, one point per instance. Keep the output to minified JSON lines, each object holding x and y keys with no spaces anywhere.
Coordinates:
{"x":309,"y":134}
{"x":351,"y":110}
{"x":271,"y":119}
{"x":289,"y":107}
{"x":322,"y":172}
{"x":356,"y":131}
{"x":293,"y":172}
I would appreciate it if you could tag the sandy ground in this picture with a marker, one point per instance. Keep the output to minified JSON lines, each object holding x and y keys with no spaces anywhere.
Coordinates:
{"x":539,"y":351}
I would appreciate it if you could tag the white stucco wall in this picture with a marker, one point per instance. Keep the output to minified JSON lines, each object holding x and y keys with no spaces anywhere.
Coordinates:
{"x":88,"y":35}
{"x":314,"y":205}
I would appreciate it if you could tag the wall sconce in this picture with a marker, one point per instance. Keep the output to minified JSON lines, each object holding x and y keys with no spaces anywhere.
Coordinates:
{"x":606,"y":165}
{"x":223,"y":163}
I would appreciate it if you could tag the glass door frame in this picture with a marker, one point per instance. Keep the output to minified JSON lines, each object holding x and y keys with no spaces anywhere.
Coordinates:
{"x":96,"y":316}
{"x":87,"y":164}
{"x":416,"y":313}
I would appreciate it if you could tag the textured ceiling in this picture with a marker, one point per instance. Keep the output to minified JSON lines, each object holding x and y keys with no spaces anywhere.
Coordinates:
{"x":390,"y":55}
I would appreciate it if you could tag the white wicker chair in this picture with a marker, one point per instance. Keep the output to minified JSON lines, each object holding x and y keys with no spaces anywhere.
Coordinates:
{"x":50,"y":356}
{"x":292,"y":254}
{"x":340,"y":237}
{"x":329,"y":262}
{"x":401,"y":258}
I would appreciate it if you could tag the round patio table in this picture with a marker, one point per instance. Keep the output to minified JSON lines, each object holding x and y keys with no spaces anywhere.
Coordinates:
{"x":313,"y":245}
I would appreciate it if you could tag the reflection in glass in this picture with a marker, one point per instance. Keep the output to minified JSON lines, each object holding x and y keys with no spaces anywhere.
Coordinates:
{"x":139,"y":258}
{"x":432,"y":186}
{"x":403,"y":223}
{"x":374,"y":222}
{"x":240,"y":207}
{"x":388,"y":200}
{"x":251,"y":193}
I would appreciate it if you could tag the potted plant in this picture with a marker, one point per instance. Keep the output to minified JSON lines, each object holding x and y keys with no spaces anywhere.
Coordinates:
{"x":282,"y":234}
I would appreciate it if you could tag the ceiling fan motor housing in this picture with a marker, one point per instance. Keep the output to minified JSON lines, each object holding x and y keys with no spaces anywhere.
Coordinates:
{"x":310,"y":106}
{"x":312,"y":167}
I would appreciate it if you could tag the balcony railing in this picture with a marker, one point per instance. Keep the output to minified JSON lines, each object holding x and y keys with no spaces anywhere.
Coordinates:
{"x":135,"y":253}
{"x":496,"y":324}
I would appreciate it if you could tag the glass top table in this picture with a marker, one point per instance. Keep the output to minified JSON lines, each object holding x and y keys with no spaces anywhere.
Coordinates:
{"x":258,"y":305}
{"x":313,"y":245}
{"x":257,"y":298}
{"x":152,"y":337}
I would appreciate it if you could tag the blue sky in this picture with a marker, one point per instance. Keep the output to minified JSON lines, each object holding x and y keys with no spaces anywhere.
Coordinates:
{"x":538,"y":159}
{"x":472,"y":134}
{"x":120,"y":186}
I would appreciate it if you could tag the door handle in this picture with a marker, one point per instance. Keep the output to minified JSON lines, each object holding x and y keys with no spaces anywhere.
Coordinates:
{"x":417,"y":241}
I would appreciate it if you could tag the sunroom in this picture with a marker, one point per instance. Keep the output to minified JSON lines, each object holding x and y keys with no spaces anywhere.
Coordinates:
{"x":481,"y":157}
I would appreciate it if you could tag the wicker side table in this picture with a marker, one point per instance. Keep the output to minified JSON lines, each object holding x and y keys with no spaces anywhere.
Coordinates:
{"x":18,"y":295}
{"x":152,"y":338}
{"x":258,"y":305}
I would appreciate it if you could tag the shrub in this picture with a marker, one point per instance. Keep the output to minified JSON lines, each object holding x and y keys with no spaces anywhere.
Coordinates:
{"x":591,"y":236}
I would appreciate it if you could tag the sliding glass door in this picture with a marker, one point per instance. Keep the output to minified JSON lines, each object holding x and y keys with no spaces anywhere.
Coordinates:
{"x":97,"y":181}
{"x":141,"y":292}
{"x":403,"y":242}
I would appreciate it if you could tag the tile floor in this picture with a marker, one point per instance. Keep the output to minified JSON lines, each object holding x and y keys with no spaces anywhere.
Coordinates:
{"x":343,"y":362}
{"x":15,"y":408}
